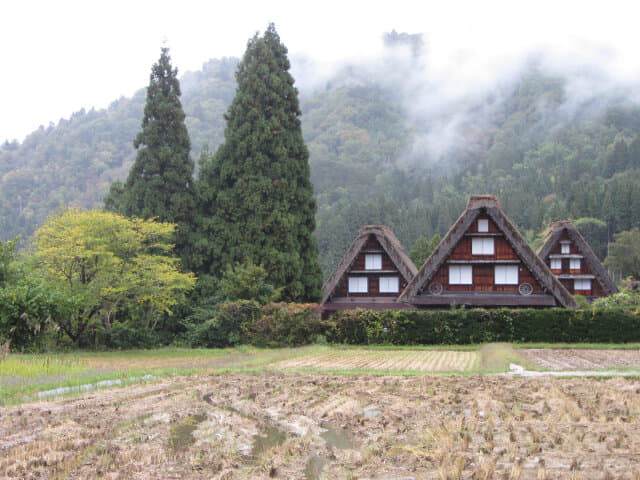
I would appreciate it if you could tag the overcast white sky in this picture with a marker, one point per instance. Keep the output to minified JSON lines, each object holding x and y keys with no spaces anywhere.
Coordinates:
{"x":60,"y":56}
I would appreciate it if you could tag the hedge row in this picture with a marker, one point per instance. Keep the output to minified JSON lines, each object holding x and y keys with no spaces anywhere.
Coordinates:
{"x":280,"y":324}
{"x":428,"y":327}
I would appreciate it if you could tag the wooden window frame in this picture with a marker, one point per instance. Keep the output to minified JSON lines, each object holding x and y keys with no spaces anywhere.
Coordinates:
{"x":355,"y":282}
{"x":577,"y":281}
{"x":456,"y":274}
{"x":373,"y":258}
{"x":481,"y":243}
{"x":502,"y":271}
{"x":387,"y":289}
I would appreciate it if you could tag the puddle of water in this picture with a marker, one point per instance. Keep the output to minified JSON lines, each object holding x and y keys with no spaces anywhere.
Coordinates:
{"x":337,"y":438}
{"x":181,"y":435}
{"x":371,"y":413}
{"x":314,"y":467}
{"x":229,"y":408}
{"x":270,"y":437}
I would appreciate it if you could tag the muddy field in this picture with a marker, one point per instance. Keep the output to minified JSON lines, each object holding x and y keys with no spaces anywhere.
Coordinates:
{"x":581,"y":359}
{"x":277,"y":425}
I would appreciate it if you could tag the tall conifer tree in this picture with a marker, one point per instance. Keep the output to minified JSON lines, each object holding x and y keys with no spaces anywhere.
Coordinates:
{"x":256,"y":198}
{"x":160,"y":182}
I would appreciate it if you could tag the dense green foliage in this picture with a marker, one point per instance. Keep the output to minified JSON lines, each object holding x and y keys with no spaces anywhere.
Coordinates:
{"x":422,"y":248}
{"x":246,"y":322}
{"x":7,"y":256}
{"x":99,"y":264}
{"x":624,"y":254}
{"x":256,"y":199}
{"x":595,"y":233}
{"x":246,"y":282}
{"x":427,"y":327}
{"x":160,"y":182}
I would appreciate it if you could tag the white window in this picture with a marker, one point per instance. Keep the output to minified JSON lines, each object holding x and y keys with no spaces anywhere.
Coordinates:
{"x":556,"y":264}
{"x":358,"y":285}
{"x":580,"y":284}
{"x":574,"y":264}
{"x":482,"y":246}
{"x":506,"y":275}
{"x":564,"y":247}
{"x":389,"y":285}
{"x":460,"y":275}
{"x":373,"y":261}
{"x":483,"y":225}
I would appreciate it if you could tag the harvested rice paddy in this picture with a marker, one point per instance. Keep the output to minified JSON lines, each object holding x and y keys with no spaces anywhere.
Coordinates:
{"x":386,"y":361}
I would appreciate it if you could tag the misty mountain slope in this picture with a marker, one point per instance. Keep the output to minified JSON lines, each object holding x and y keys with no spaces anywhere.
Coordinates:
{"x":353,"y":134}
{"x":386,"y":146}
{"x":72,"y":163}
{"x":75,"y":161}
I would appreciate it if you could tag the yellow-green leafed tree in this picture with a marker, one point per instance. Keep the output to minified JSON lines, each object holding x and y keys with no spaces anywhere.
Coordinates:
{"x":100,"y":262}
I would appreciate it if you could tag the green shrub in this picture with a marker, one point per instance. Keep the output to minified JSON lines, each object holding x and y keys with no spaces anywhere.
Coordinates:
{"x":286,"y":324}
{"x":125,"y":336}
{"x":462,"y":326}
{"x":271,"y":325}
{"x":26,"y":310}
{"x":227,"y":327}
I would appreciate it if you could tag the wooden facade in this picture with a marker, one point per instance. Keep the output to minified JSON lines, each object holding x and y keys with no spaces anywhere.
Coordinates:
{"x":573,"y":262}
{"x":373,"y":273}
{"x":484,"y":261}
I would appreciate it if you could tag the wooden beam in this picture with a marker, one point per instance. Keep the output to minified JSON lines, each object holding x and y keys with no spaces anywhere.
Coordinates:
{"x":464,"y":262}
{"x":486,"y":300}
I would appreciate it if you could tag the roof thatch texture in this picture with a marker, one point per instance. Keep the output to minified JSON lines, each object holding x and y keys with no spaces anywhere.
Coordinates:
{"x":389,"y":243}
{"x":491,"y":205}
{"x":552,"y":236}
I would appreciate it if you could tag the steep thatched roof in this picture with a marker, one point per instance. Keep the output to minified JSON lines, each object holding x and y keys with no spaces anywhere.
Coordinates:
{"x":389,"y":243}
{"x":552,"y":236}
{"x":491,"y":205}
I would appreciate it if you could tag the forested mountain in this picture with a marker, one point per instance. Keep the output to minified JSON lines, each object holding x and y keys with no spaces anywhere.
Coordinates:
{"x":382,"y":151}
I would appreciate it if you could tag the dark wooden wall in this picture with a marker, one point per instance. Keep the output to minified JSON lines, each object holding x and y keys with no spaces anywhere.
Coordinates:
{"x":371,"y":246}
{"x":597,"y":289}
{"x":483,"y":274}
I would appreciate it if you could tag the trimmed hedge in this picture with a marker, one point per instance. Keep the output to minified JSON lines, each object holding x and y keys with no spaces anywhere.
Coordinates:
{"x":289,"y":324}
{"x":425,"y":327}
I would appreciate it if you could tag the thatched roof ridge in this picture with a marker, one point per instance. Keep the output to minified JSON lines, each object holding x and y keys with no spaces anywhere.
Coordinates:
{"x":491,"y":205}
{"x":551,"y":236}
{"x":389,"y":243}
{"x":486,"y":201}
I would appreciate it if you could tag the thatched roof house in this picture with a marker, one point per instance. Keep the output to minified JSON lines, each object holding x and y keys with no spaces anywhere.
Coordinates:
{"x":571,"y":259}
{"x":484,"y":261}
{"x":372,"y":274}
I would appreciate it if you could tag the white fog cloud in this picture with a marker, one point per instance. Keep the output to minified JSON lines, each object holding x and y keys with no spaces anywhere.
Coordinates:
{"x":61,"y":56}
